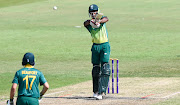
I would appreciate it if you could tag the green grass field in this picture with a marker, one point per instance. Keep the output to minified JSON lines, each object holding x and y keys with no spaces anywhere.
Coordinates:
{"x":144,"y":35}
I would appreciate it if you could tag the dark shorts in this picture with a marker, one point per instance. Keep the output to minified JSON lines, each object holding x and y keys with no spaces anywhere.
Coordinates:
{"x":22,"y":100}
{"x":100,"y":53}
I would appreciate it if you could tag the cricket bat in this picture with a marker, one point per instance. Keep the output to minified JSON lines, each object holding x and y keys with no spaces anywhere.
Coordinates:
{"x":99,"y":16}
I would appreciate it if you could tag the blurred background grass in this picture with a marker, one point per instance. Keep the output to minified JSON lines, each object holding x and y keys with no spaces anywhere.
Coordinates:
{"x":144,"y":36}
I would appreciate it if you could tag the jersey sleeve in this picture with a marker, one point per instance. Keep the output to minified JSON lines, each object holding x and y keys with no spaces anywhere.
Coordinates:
{"x":42,"y":79}
{"x":15,"y":80}
{"x":103,"y":16}
{"x":102,"y":23}
{"x":89,"y":28}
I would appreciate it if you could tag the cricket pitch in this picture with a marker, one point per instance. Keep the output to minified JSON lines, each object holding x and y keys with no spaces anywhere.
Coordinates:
{"x":132,"y":91}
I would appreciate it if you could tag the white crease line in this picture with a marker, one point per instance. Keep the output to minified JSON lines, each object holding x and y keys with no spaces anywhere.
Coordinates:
{"x":168,"y":96}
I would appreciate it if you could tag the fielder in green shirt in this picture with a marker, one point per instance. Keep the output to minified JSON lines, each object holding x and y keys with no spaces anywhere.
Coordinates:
{"x":100,"y":50}
{"x":28,"y":79}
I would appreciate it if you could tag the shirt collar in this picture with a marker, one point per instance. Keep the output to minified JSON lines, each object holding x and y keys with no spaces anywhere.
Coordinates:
{"x":28,"y":66}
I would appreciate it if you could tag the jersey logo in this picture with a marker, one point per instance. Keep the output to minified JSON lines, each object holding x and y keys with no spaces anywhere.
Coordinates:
{"x":91,"y":6}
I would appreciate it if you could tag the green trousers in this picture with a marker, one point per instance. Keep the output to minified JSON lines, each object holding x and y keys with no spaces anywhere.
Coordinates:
{"x":100,"y":60}
{"x":100,"y":53}
{"x":22,"y":100}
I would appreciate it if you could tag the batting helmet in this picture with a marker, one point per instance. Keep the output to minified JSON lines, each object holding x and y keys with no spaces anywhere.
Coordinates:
{"x":28,"y":59}
{"x":93,"y":8}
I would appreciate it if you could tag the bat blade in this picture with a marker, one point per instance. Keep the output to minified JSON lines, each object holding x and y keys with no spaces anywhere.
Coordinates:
{"x":99,"y":15}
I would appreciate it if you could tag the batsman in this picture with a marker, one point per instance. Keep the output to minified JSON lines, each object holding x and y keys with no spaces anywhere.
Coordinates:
{"x":100,"y":50}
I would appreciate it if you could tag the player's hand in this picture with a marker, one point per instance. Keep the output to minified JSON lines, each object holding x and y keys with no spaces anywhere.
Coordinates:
{"x":41,"y":95}
{"x":10,"y":102}
{"x":94,"y":24}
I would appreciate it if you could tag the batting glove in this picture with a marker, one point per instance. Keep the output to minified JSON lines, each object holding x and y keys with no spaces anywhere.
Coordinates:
{"x":10,"y":102}
{"x":94,"y":24}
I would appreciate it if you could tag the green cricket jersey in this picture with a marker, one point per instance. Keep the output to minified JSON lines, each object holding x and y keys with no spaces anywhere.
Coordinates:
{"x":99,"y":35}
{"x":28,"y":79}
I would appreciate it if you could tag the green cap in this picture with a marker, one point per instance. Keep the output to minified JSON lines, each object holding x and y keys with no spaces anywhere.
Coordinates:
{"x":93,"y":8}
{"x":28,"y":59}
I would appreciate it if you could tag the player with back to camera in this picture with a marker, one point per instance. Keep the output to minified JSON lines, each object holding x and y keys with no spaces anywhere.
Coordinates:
{"x":28,"y":79}
{"x":100,"y":51}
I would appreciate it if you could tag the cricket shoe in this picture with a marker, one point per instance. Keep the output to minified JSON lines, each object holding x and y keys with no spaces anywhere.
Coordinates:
{"x":95,"y":95}
{"x":99,"y":97}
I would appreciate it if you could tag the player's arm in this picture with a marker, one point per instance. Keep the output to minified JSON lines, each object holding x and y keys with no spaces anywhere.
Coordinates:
{"x":13,"y":90}
{"x":104,"y":20}
{"x":12,"y":93}
{"x":86,"y":23}
{"x":45,"y":88}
